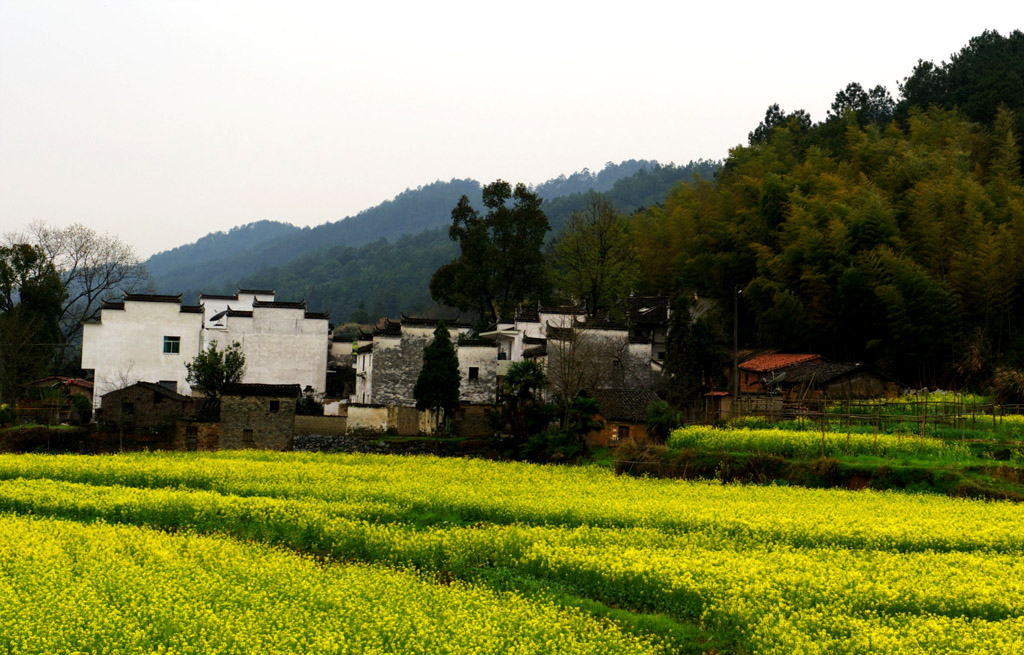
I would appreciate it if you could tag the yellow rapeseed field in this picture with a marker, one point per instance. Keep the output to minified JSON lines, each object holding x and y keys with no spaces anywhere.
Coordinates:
{"x":67,"y":587}
{"x":811,"y":443}
{"x":762,"y":569}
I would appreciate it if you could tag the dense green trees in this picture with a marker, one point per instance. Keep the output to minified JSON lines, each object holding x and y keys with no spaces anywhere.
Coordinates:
{"x":31,"y":297}
{"x":983,"y":75}
{"x":893,"y":249}
{"x":501,"y":263}
{"x":595,"y":260}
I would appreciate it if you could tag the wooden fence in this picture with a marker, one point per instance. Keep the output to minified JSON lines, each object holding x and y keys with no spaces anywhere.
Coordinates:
{"x":882,"y":414}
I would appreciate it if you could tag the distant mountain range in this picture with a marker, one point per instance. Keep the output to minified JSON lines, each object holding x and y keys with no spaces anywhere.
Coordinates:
{"x":379,"y":261}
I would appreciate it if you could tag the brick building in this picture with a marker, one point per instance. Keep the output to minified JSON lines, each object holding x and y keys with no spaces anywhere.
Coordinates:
{"x":624,"y":413}
{"x":258,"y":416}
{"x":145,"y":406}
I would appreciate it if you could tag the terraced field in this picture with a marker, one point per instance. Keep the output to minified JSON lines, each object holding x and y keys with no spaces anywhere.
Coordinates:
{"x":283,"y":552}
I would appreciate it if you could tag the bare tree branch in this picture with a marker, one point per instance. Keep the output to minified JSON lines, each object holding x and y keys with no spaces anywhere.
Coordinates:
{"x":91,"y":266}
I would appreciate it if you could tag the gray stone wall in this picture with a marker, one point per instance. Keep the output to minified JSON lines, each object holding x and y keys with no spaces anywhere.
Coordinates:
{"x":271,"y":430}
{"x":396,"y":365}
{"x":473,"y":421}
{"x":638,"y":367}
{"x":482,"y":390}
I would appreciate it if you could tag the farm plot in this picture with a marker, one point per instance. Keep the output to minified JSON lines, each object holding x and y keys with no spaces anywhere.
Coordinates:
{"x":679,"y":566}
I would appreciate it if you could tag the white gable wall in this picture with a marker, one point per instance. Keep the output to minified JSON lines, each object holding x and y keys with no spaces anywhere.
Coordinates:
{"x":281,"y":346}
{"x":242,"y":301}
{"x":128,"y":346}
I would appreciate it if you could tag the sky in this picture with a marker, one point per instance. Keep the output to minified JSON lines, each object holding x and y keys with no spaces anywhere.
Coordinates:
{"x":160,"y":122}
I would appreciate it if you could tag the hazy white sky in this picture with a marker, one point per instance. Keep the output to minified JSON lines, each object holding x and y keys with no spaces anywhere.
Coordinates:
{"x":163,"y":121}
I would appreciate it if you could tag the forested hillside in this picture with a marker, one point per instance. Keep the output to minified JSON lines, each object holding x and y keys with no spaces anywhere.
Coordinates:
{"x":217,"y":262}
{"x":891,"y":231}
{"x":385,"y":277}
{"x":647,"y":187}
{"x":216,"y":245}
{"x":887,"y":232}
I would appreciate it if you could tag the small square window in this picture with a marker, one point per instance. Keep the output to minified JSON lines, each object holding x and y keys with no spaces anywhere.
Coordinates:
{"x":275,"y":405}
{"x":172,"y":345}
{"x":623,"y":432}
{"x":474,"y":372}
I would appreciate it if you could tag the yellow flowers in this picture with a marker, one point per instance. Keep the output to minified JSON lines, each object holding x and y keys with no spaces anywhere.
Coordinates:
{"x":67,"y":587}
{"x":766,"y":569}
{"x":808,"y":443}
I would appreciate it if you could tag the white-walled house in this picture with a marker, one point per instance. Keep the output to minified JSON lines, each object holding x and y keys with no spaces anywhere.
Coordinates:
{"x":388,"y":367}
{"x":150,"y":338}
{"x":142,"y":338}
{"x":282,"y":342}
{"x":213,"y":303}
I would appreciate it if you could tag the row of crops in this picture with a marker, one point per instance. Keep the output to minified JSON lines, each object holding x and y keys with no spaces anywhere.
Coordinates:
{"x":754,"y":569}
{"x":807,"y":443}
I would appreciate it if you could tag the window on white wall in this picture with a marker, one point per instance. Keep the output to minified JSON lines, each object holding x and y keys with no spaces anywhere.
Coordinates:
{"x":474,"y":372}
{"x":172,"y":345}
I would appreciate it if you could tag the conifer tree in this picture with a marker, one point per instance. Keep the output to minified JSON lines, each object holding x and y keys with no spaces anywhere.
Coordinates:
{"x":437,"y":387}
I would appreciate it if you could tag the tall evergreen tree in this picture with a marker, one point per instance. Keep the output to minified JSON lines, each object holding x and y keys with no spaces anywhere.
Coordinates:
{"x":437,"y":387}
{"x":691,"y":361}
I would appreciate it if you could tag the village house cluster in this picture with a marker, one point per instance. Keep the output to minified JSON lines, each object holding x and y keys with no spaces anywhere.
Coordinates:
{"x":623,"y":361}
{"x":135,"y":355}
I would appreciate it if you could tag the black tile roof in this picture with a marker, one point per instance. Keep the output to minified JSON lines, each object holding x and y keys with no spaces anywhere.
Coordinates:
{"x":279,"y":304}
{"x":267,"y":390}
{"x":824,"y":372}
{"x":259,"y":292}
{"x":318,"y":315}
{"x":219,"y":296}
{"x":559,"y":333}
{"x":648,"y":310}
{"x":387,"y":328}
{"x":473,"y":343}
{"x":156,"y":388}
{"x":535,"y":351}
{"x":421,"y":320}
{"x":601,"y":324}
{"x":528,"y":316}
{"x":562,"y":309}
{"x":627,"y":405}
{"x":191,"y":309}
{"x":151,"y":297}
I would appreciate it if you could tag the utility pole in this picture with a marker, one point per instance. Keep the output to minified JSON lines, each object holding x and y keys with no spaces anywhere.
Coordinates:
{"x":736,"y":291}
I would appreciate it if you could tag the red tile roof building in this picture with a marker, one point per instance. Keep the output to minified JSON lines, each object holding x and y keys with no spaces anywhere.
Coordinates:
{"x":752,"y":370}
